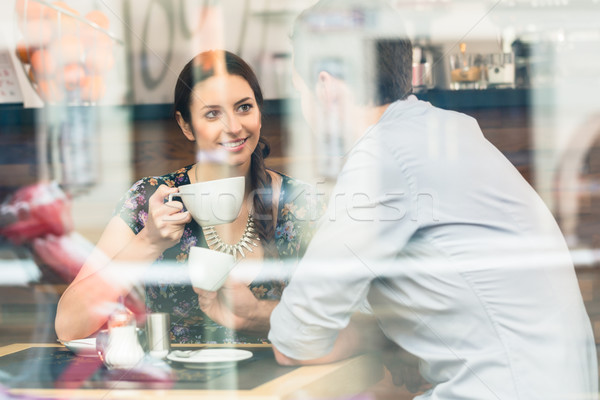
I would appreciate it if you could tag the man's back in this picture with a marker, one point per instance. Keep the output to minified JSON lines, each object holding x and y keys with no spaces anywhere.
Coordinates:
{"x":485,"y":289}
{"x":460,"y":260}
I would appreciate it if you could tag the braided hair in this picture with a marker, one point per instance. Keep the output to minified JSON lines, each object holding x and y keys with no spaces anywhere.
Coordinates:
{"x":202,"y":67}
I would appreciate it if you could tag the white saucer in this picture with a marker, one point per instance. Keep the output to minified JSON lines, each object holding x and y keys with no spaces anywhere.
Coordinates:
{"x":209,"y":358}
{"x":82,"y":347}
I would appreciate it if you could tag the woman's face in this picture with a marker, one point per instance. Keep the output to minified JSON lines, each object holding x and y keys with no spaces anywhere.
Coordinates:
{"x":225,"y":118}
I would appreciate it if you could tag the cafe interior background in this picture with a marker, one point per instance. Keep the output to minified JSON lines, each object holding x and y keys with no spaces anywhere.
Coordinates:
{"x":534,"y":88}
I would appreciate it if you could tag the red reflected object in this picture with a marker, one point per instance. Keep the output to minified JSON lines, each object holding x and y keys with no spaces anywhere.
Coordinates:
{"x":64,"y":255}
{"x":35,"y":211}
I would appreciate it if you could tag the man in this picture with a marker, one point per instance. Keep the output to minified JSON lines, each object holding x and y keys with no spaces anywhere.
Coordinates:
{"x":431,"y":227}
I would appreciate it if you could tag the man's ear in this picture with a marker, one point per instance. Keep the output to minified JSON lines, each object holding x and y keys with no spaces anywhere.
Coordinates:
{"x":328,"y":88}
{"x":185,"y":127}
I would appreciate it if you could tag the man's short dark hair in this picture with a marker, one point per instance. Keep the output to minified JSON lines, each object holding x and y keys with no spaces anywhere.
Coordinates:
{"x":393,"y":69}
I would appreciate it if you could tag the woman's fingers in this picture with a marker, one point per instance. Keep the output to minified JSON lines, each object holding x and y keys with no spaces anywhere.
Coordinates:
{"x":179,"y":218}
{"x":169,"y":211}
{"x":174,"y":206}
{"x":205,"y":298}
{"x":199,"y":292}
{"x":165,"y":223}
{"x":205,"y":294}
{"x":158,"y":198}
{"x":174,"y":213}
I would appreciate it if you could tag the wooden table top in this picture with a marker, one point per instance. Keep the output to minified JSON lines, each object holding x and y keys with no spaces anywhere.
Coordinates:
{"x":260,"y":379}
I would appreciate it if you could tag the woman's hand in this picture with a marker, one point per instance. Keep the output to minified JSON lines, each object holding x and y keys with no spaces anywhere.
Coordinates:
{"x":165,"y":224}
{"x":236,"y":307}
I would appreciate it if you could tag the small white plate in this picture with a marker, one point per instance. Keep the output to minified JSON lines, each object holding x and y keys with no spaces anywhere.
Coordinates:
{"x":209,"y":358}
{"x":82,"y":347}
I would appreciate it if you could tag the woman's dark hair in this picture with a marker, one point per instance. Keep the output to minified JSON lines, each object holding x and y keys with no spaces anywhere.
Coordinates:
{"x":202,"y":67}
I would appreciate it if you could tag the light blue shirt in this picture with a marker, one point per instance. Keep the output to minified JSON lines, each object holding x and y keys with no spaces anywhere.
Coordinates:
{"x":460,"y":260}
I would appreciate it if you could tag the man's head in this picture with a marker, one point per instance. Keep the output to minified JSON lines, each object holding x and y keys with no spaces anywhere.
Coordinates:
{"x":360,"y":43}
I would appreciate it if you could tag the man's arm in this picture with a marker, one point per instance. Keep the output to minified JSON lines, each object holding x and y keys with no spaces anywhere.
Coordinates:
{"x":356,"y":244}
{"x":361,"y":335}
{"x":346,"y":345}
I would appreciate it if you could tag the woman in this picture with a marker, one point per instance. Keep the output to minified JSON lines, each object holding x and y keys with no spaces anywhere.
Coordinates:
{"x":217,"y":105}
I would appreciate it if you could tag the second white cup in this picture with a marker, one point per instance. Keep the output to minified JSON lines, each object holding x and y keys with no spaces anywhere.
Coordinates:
{"x":209,"y":269}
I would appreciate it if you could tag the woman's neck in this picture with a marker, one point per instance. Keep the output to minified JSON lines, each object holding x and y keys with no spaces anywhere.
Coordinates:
{"x":204,"y":171}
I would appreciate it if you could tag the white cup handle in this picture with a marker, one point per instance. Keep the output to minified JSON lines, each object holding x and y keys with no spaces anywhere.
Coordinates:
{"x":178,"y":194}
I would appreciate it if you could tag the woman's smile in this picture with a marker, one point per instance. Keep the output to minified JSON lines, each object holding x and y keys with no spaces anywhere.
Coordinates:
{"x":234,"y":145}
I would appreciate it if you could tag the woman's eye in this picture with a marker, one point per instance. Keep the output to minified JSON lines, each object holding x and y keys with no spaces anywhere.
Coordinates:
{"x":245,"y":107}
{"x":212,"y":114}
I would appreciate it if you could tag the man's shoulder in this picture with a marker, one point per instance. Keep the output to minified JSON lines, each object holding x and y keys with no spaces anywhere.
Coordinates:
{"x":420,"y":124}
{"x":413,"y":109}
{"x":417,"y":139}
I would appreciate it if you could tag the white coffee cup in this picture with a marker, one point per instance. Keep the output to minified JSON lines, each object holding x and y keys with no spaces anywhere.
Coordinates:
{"x":209,"y":269}
{"x":213,"y":202}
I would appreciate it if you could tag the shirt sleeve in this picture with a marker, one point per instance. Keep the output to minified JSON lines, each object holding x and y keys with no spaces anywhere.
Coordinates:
{"x":367,"y":224}
{"x":133,"y":206}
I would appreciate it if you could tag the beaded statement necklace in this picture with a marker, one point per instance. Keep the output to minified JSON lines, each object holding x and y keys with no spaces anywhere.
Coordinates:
{"x":249,"y":239}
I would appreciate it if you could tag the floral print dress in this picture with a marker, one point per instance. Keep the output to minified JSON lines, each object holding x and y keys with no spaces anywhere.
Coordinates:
{"x":170,"y":291}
